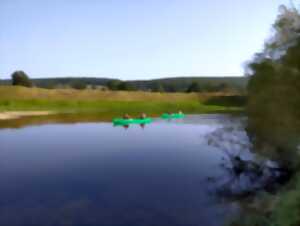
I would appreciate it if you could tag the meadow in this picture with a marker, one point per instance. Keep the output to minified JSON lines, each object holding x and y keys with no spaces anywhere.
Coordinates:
{"x":14,"y":98}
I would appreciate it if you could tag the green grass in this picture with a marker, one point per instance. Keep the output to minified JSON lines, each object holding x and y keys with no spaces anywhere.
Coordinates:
{"x":121,"y":107}
{"x":287,"y":209}
{"x":17,"y":98}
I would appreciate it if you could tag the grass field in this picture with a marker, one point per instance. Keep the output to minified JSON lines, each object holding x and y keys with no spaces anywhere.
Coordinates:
{"x":92,"y":101}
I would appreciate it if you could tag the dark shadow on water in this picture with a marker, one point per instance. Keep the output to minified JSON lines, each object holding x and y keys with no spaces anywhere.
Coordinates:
{"x":245,"y":173}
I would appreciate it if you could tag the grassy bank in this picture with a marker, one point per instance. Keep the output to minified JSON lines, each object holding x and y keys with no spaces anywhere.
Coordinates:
{"x":92,"y":101}
{"x":280,"y":209}
{"x":23,"y":93}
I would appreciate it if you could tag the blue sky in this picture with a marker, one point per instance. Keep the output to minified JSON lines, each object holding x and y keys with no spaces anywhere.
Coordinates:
{"x":132,"y":39}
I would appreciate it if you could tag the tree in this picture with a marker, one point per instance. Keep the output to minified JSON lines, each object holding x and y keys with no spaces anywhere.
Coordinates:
{"x":113,"y":84}
{"x":209,"y":87}
{"x":158,"y":87}
{"x":126,"y":86}
{"x":170,"y":87}
{"x":274,"y":92}
{"x":286,"y":32}
{"x":194,"y":87}
{"x":20,"y":78}
{"x":78,"y":85}
{"x":222,"y":87}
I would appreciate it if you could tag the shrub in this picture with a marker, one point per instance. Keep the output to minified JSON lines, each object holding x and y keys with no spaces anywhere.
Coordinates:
{"x":20,"y":78}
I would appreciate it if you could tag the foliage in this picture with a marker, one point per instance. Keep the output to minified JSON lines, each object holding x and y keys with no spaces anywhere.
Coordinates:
{"x":274,"y":94}
{"x":286,"y":32}
{"x":78,"y":85}
{"x":194,"y":87}
{"x":158,"y":87}
{"x":20,"y":78}
{"x":180,"y":84}
{"x":274,"y":115}
{"x":126,"y":86}
{"x":287,"y":210}
{"x":113,"y":84}
{"x":170,"y":87}
{"x":230,"y":100}
{"x":251,"y":220}
{"x":68,"y":81}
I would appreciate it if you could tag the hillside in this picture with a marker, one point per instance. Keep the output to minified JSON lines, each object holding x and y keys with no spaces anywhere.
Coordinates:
{"x":182,"y":83}
{"x":178,"y":84}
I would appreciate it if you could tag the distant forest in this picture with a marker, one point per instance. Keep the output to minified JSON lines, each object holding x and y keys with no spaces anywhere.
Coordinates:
{"x":179,"y":84}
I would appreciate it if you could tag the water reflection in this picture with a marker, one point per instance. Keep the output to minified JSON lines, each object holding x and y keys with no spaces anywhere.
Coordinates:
{"x":142,"y":126}
{"x":244,"y":172}
{"x":96,"y":174}
{"x":66,"y":118}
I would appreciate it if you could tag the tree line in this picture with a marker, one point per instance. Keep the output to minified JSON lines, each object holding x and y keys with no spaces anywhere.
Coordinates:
{"x":188,"y":85}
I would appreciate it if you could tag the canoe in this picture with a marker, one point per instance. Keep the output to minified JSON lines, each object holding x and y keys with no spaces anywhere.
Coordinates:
{"x":124,"y":122}
{"x":172,"y":116}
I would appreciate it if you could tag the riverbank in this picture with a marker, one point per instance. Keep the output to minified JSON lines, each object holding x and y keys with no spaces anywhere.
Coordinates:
{"x":9,"y":115}
{"x":36,"y":100}
{"x":273,"y":209}
{"x":22,"y":93}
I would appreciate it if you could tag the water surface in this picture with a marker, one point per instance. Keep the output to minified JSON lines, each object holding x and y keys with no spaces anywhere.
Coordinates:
{"x":91,"y":174}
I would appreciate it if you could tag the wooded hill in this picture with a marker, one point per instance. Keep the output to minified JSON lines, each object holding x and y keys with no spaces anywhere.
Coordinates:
{"x":177,"y":84}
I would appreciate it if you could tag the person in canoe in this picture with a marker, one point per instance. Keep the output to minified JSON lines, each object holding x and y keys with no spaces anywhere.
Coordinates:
{"x":126,"y":116}
{"x":168,"y":115}
{"x":143,"y":116}
{"x":180,"y":112}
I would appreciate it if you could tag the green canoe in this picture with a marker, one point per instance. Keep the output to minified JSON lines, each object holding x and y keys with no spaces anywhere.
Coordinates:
{"x":172,"y":116}
{"x":124,"y":122}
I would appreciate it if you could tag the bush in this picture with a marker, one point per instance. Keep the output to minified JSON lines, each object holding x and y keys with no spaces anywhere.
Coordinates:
{"x":158,"y":87}
{"x":274,"y":107}
{"x":126,"y":86}
{"x":287,"y":211}
{"x":274,"y":91}
{"x":194,"y":87}
{"x":20,"y":78}
{"x":113,"y":84}
{"x":78,"y":85}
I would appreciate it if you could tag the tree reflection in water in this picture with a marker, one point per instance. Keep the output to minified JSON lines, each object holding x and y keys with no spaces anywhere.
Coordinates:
{"x":243,"y":172}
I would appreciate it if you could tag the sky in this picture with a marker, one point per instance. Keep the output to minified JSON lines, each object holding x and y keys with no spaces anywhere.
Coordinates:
{"x":132,"y":39}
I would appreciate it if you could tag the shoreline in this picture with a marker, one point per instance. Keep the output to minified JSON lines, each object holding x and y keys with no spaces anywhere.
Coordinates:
{"x":8,"y":115}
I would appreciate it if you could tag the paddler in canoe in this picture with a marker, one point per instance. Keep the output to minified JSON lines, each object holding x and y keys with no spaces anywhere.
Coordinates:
{"x":127,"y":120}
{"x":143,"y":116}
{"x":175,"y":113}
{"x":126,"y":116}
{"x":170,"y":115}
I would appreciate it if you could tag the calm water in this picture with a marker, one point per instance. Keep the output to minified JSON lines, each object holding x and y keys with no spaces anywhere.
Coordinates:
{"x":91,"y":174}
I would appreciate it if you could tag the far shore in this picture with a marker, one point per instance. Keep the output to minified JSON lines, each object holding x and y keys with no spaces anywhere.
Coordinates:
{"x":7,"y":115}
{"x":18,"y":102}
